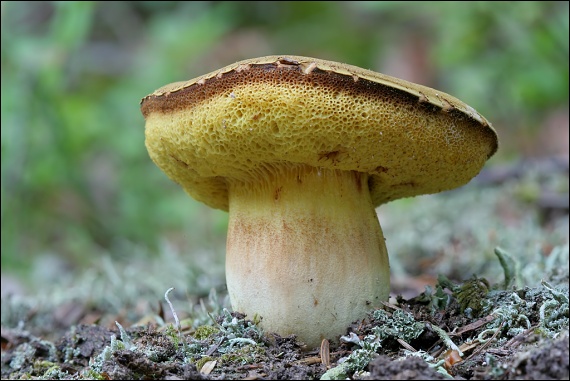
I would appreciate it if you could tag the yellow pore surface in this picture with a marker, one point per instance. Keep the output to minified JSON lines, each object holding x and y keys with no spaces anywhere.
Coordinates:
{"x":245,"y":124}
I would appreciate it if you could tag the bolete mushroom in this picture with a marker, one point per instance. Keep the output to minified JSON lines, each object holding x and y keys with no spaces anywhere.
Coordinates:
{"x":300,"y":151}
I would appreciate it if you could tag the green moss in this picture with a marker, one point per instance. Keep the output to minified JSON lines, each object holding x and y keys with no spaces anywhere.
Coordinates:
{"x":90,"y":374}
{"x":40,"y":366}
{"x":172,"y":332}
{"x":247,"y":354}
{"x":205,"y":331}
{"x":256,"y":319}
{"x":55,"y":373}
{"x":471,"y":295}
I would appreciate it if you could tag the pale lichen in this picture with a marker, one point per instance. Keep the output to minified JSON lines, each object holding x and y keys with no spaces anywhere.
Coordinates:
{"x":356,"y":361}
{"x":545,"y":307}
{"x":396,"y":325}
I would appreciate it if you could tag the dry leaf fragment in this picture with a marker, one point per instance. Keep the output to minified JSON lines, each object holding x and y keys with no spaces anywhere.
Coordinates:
{"x":208,"y":367}
{"x":325,"y":353}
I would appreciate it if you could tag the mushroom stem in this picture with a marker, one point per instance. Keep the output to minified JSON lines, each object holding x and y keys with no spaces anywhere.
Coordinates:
{"x":305,"y":251}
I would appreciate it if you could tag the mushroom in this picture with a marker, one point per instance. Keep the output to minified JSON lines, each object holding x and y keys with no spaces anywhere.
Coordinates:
{"x":300,"y":151}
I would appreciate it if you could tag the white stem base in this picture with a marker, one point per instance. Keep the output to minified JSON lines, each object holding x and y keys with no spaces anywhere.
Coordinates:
{"x":305,"y":252}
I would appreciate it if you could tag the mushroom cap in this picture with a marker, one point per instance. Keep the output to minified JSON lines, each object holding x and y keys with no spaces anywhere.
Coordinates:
{"x":253,"y":117}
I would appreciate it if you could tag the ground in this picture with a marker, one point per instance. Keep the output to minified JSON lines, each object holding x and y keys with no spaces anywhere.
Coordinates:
{"x":507,"y":351}
{"x":504,"y":315}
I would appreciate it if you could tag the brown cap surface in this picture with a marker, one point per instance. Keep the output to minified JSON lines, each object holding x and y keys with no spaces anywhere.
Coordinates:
{"x":254,"y":117}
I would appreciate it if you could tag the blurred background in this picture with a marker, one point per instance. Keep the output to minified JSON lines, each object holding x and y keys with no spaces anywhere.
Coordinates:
{"x":79,"y":191}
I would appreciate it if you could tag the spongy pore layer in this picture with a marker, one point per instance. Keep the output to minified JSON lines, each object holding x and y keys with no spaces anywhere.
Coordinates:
{"x":250,"y":119}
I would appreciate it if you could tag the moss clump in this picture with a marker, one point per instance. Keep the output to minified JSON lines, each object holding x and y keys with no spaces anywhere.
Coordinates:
{"x":205,"y":331}
{"x":471,"y":295}
{"x":247,"y":354}
{"x":90,"y":374}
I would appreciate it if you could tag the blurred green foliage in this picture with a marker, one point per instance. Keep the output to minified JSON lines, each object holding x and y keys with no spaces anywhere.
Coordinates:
{"x":76,"y":178}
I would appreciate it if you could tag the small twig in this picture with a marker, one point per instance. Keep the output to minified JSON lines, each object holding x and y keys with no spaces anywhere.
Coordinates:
{"x":486,"y":344}
{"x":249,"y":367}
{"x":499,"y":351}
{"x":467,"y":346}
{"x":308,"y":361}
{"x":472,"y":326}
{"x":390,"y":306}
{"x":406,"y":345}
{"x":517,"y":339}
{"x":215,"y":347}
